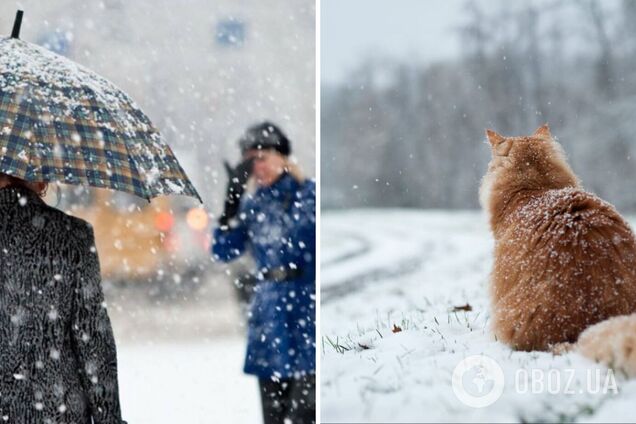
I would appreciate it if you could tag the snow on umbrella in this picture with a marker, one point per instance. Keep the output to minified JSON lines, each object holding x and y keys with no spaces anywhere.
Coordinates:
{"x":62,"y":122}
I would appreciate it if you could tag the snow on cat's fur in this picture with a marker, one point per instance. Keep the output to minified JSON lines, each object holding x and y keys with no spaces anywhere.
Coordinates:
{"x":565,"y":260}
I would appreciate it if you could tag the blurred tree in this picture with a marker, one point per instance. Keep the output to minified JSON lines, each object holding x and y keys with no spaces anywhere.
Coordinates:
{"x":415,"y":138}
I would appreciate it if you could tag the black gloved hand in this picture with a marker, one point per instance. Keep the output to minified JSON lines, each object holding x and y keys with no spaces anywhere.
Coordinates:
{"x":237,"y":178}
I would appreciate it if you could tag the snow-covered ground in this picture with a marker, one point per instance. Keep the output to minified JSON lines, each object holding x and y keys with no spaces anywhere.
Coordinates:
{"x":395,"y":288}
{"x":182,"y":362}
{"x":193,"y":383}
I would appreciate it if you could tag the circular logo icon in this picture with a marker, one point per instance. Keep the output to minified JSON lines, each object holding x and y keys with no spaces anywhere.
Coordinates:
{"x":478,"y":381}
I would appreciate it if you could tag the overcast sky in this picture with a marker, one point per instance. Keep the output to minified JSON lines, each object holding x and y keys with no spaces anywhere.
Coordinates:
{"x":418,"y":30}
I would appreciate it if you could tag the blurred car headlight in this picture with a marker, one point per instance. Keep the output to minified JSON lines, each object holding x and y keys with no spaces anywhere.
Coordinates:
{"x":164,"y":221}
{"x":197,"y":219}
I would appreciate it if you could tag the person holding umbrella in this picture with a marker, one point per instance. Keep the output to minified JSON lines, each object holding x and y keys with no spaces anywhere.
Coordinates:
{"x":57,"y":351}
{"x":63,"y":123}
{"x":276,"y":224}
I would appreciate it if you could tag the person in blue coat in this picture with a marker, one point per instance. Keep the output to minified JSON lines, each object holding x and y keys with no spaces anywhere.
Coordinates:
{"x":276,"y":224}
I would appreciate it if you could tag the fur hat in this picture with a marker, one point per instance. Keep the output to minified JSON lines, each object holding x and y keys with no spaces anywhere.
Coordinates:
{"x":265,"y":135}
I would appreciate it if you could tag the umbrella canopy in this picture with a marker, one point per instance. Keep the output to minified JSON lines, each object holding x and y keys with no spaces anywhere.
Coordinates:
{"x":62,"y":122}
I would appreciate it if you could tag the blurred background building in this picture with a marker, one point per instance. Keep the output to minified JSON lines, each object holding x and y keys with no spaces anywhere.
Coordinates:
{"x":203,"y":72}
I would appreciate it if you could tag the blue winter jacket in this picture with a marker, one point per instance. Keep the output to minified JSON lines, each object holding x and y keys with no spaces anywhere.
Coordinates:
{"x":277,"y":225}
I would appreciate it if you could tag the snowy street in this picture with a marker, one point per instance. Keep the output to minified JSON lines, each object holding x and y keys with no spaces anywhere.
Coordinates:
{"x":404,"y":300}
{"x":182,"y":362}
{"x":194,"y":383}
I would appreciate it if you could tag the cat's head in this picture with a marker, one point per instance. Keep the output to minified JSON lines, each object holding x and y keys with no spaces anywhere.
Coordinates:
{"x":528,"y":162}
{"x":539,"y":146}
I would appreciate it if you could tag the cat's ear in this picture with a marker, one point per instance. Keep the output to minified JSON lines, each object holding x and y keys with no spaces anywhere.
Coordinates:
{"x":501,"y":145}
{"x":542,"y":132}
{"x":494,"y":138}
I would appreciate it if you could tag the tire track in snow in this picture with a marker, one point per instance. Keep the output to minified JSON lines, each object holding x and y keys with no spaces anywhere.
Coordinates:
{"x":357,"y":282}
{"x":386,"y":251}
{"x":363,"y":247}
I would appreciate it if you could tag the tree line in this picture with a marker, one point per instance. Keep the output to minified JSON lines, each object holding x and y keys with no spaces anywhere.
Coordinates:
{"x":408,"y":135}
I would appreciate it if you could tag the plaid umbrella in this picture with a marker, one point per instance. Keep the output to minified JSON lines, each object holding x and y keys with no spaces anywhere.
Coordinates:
{"x":62,"y":122}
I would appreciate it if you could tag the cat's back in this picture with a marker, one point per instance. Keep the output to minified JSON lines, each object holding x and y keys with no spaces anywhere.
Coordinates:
{"x":571,"y":222}
{"x":565,"y":260}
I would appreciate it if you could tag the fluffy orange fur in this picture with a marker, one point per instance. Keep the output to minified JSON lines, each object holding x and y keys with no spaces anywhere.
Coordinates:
{"x":564,"y":259}
{"x":612,"y":342}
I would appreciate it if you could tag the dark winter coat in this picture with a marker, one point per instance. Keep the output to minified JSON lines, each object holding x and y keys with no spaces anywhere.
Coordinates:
{"x":57,"y":354}
{"x":277,"y":224}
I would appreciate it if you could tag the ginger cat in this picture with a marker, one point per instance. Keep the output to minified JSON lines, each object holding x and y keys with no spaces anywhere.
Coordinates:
{"x":565,"y":260}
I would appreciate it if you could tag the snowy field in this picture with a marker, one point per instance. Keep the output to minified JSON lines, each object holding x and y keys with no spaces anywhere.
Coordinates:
{"x":182,"y":362}
{"x":404,"y":300}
